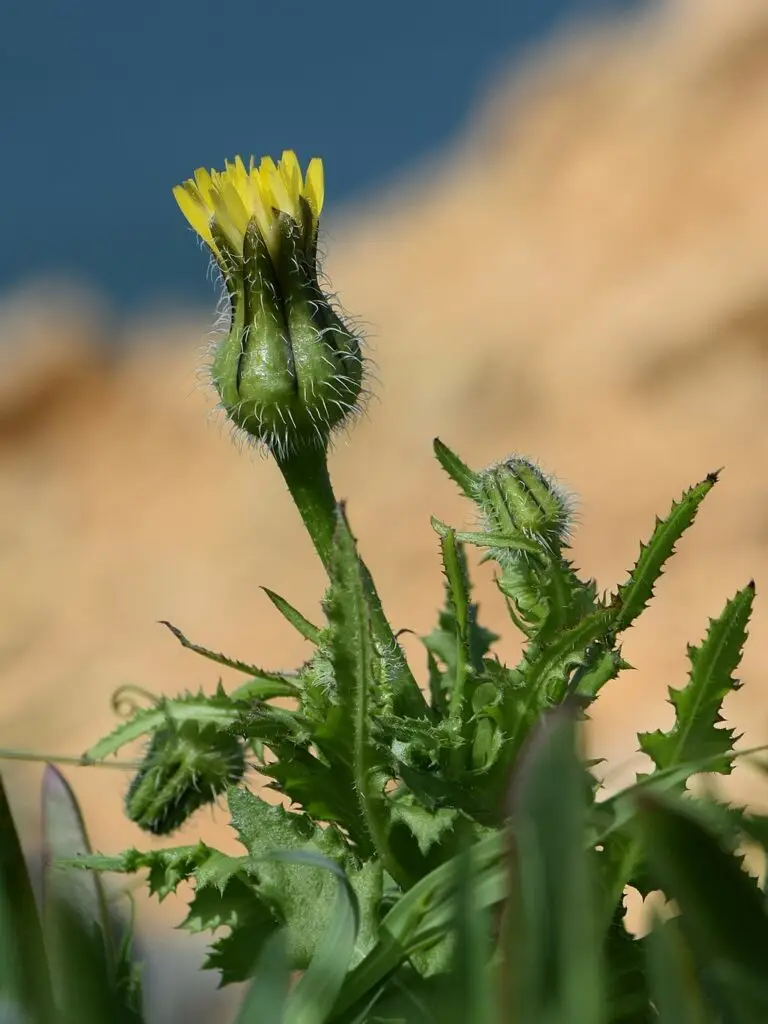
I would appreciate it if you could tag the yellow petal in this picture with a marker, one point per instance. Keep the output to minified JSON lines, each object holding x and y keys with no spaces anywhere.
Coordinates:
{"x":276,"y":190}
{"x":194,"y":211}
{"x":314,"y":188}
{"x":291,"y":172}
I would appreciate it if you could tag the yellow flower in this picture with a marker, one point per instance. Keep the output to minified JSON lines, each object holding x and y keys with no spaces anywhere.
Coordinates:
{"x":223,"y":203}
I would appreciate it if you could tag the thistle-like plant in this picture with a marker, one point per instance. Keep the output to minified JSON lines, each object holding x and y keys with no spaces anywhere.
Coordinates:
{"x":402,"y":809}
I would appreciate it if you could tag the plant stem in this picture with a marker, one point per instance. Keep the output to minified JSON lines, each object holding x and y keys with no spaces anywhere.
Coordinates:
{"x":77,"y":762}
{"x":305,"y":472}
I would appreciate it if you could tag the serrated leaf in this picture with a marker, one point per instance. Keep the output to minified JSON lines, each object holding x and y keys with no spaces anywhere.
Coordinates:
{"x":217,"y":869}
{"x":455,"y":569}
{"x":458,"y":640}
{"x":457,"y":579}
{"x":296,"y":619}
{"x":235,"y":955}
{"x":633,"y":596}
{"x":265,"y":689}
{"x":542,"y":678}
{"x":427,"y":826}
{"x":486,"y":540}
{"x":698,"y":705}
{"x":229,"y":906}
{"x":304,"y":897}
{"x":167,"y":868}
{"x":460,"y":473}
{"x":317,"y":788}
{"x":219,"y":710}
{"x":590,"y":677}
{"x":354,"y":658}
{"x":222,"y":659}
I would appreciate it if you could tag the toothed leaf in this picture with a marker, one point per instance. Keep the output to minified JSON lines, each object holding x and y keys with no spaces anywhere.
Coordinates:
{"x":222,"y":659}
{"x":296,"y":619}
{"x":695,"y":733}
{"x":461,"y":474}
{"x":634,"y":595}
{"x":217,"y":710}
{"x":302,"y":895}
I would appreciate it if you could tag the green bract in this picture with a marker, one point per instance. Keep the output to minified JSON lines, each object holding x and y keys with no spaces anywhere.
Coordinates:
{"x":288,"y":371}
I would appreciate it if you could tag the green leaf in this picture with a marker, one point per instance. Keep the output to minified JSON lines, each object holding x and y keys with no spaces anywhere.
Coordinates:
{"x":354,"y":660}
{"x":471,"y":991}
{"x":65,"y":837}
{"x":265,"y":689}
{"x":303,"y":897}
{"x":723,"y":913}
{"x":222,"y":659}
{"x":235,"y":955}
{"x":94,"y":980}
{"x":698,"y":705}
{"x":674,"y":984}
{"x":428,"y":827}
{"x":458,"y":640}
{"x":455,"y":569}
{"x":222,"y":906}
{"x":218,"y":709}
{"x":625,"y":975}
{"x":167,"y":868}
{"x":552,"y":930}
{"x":24,"y":979}
{"x":633,"y":596}
{"x":268,"y":992}
{"x":486,"y":540}
{"x":315,"y":786}
{"x":421,"y":917}
{"x":461,"y":474}
{"x":312,"y":999}
{"x":86,"y":992}
{"x":296,"y":619}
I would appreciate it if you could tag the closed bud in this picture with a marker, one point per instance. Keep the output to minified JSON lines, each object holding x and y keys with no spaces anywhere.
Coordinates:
{"x":289,"y":371}
{"x":186,"y":766}
{"x":518,"y":499}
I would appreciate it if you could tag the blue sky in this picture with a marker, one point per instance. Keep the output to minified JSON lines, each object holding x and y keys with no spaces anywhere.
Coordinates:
{"x":103,"y":107}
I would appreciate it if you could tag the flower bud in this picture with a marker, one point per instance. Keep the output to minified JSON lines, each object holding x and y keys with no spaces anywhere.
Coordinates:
{"x":517,"y":498}
{"x":289,"y":371}
{"x":186,"y":766}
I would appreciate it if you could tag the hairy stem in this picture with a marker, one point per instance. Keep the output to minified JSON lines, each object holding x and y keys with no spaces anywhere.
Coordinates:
{"x":306,"y":474}
{"x":77,"y":762}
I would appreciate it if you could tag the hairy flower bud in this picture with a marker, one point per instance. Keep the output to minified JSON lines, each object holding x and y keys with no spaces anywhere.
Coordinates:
{"x":517,"y":498}
{"x":289,"y":371}
{"x":186,"y":766}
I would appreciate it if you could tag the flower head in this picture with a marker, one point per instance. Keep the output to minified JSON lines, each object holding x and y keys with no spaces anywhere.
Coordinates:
{"x":289,"y":371}
{"x":227,"y":201}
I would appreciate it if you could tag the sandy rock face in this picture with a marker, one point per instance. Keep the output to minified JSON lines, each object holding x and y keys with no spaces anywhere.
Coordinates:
{"x":584,"y":279}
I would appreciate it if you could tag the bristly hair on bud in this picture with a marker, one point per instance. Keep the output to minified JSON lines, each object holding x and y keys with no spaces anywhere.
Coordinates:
{"x":516,"y":498}
{"x":289,"y":371}
{"x":186,"y":766}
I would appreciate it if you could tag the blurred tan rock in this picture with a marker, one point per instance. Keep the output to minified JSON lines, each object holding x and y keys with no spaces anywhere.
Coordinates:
{"x":583,"y":277}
